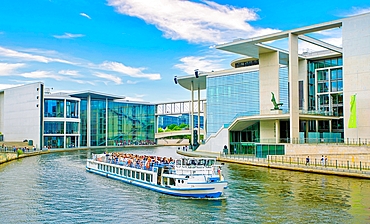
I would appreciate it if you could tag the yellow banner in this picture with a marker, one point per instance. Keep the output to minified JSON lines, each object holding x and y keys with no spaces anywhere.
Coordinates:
{"x":352,"y":123}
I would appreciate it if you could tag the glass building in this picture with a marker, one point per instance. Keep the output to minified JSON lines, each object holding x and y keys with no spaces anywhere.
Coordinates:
{"x":93,"y":119}
{"x":273,"y":98}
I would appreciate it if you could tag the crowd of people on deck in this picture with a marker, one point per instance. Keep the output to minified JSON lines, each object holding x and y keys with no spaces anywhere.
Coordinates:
{"x":136,"y":161}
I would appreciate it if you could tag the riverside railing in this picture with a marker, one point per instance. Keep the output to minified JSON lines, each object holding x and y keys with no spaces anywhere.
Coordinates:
{"x":337,"y":165}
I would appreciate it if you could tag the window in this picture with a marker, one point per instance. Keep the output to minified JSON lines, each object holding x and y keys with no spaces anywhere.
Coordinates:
{"x":54,"y":108}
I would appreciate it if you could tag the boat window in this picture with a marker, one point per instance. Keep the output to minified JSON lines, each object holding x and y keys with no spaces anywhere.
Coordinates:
{"x":133,"y":174}
{"x":165,"y":181}
{"x":172,"y":181}
{"x":210,"y":162}
{"x":129,"y":173}
{"x":142,"y":176}
{"x":137,"y":175}
{"x":178,"y":162}
{"x":125,"y":173}
{"x":166,"y":170}
{"x":111,"y":169}
{"x":193,"y":162}
{"x":148,"y":177}
{"x":99,"y":166}
{"x":178,"y":181}
{"x":202,"y":162}
{"x":120,"y":171}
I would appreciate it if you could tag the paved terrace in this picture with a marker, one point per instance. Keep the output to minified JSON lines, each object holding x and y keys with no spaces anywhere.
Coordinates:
{"x":333,"y":166}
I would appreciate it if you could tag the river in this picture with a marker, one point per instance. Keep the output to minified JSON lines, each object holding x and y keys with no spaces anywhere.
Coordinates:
{"x":55,"y":188}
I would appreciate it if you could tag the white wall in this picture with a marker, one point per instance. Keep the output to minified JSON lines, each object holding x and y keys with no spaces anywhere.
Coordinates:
{"x":215,"y":143}
{"x":269,"y":80}
{"x":21,"y":113}
{"x":268,"y":131}
{"x":1,"y":112}
{"x":356,"y":73}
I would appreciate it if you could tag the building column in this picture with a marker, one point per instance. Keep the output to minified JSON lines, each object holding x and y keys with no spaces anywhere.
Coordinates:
{"x":277,"y":131}
{"x":191,"y":119}
{"x":88,"y":121}
{"x":65,"y":124}
{"x":205,"y":120}
{"x":293,"y":88}
{"x":106,"y":121}
{"x":198,"y":115}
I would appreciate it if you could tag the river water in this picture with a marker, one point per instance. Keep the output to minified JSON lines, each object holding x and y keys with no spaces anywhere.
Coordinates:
{"x":55,"y":188}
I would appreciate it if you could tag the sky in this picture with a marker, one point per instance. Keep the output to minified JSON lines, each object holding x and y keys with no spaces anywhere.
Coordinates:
{"x":134,"y":48}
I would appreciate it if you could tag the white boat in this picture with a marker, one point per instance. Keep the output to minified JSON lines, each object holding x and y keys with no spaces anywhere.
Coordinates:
{"x":185,"y":177}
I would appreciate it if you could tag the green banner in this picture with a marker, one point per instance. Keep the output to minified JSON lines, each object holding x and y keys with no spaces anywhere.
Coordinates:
{"x":352,"y":123}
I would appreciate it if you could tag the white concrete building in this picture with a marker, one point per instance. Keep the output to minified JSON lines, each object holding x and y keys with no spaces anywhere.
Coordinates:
{"x":314,"y":88}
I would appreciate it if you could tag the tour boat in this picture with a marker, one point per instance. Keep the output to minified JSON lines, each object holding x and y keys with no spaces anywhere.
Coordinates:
{"x":185,"y":177}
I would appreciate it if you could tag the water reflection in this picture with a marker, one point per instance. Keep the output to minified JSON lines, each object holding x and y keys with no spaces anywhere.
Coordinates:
{"x":56,"y":188}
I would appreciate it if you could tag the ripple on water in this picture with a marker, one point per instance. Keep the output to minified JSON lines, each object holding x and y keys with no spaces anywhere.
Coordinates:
{"x":55,"y":188}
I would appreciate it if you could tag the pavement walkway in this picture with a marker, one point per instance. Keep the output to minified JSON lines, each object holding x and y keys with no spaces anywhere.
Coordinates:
{"x":357,"y":172}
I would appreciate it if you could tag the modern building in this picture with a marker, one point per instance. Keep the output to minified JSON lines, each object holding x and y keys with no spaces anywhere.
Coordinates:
{"x":64,"y":120}
{"x":166,"y":120}
{"x":273,"y":99}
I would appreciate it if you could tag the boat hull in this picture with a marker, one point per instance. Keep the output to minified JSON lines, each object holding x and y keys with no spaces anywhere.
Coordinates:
{"x":194,"y":190}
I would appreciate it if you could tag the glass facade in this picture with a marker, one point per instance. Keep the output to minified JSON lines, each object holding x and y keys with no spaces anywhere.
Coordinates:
{"x":54,"y":141}
{"x":98,"y":125}
{"x":83,"y":124}
{"x":54,"y":108}
{"x":284,"y":88}
{"x":53,"y":127}
{"x":72,"y":109}
{"x":327,"y":76}
{"x":117,"y":123}
{"x":229,"y":96}
{"x":130,"y":123}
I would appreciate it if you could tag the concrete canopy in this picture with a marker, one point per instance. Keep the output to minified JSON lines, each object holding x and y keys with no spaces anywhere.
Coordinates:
{"x":199,"y":83}
{"x":252,"y":47}
{"x":242,"y":123}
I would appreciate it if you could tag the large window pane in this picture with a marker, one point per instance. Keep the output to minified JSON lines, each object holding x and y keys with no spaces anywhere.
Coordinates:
{"x":72,"y":128}
{"x":54,"y":108}
{"x":54,"y":127}
{"x":72,"y":109}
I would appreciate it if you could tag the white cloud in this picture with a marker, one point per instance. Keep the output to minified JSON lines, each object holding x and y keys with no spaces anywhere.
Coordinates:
{"x":189,"y":64}
{"x":356,"y":11}
{"x":41,"y":75}
{"x":126,"y":70}
{"x":109,"y":77}
{"x":207,"y":21}
{"x":85,"y":15}
{"x":7,"y":86}
{"x":68,"y":36}
{"x":6,"y":69}
{"x":69,"y":72}
{"x":131,"y":82}
{"x":5,"y":52}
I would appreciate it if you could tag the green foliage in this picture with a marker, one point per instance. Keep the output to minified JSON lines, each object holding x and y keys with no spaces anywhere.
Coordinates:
{"x":171,"y":126}
{"x":19,"y":152}
{"x":182,"y":126}
{"x":160,"y":130}
{"x":176,"y":128}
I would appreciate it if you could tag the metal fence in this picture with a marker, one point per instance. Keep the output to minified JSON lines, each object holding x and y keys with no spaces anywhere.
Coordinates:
{"x":337,"y":165}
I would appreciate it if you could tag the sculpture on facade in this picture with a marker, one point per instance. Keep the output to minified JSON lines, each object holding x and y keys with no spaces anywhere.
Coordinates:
{"x":276,"y":105}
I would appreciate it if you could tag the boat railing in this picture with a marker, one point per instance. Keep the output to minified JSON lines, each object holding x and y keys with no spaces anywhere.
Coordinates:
{"x":142,"y":165}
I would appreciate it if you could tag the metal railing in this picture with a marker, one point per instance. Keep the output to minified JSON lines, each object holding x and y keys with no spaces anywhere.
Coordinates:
{"x":337,"y":165}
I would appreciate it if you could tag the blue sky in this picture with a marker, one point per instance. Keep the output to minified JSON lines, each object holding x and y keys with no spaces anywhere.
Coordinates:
{"x":134,"y":48}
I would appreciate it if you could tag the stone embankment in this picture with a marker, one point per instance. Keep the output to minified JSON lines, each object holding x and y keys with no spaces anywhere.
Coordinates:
{"x":9,"y":156}
{"x":342,"y":167}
